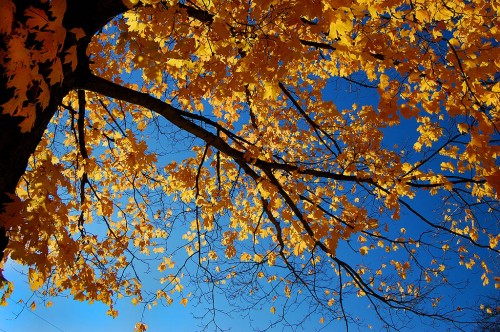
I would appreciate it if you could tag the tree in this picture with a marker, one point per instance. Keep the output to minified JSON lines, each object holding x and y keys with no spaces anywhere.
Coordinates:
{"x":286,"y":194}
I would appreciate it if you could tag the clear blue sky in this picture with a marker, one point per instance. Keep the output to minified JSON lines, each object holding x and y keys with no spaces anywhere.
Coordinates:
{"x":72,"y":316}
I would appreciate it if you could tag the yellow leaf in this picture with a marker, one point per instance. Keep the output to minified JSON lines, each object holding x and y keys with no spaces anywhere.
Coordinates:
{"x":112,"y":313}
{"x":485,"y":279}
{"x":422,"y":15}
{"x":271,"y":90}
{"x":140,"y":327}
{"x":364,"y":250}
{"x":36,"y":279}
{"x":130,"y":3}
{"x":341,"y":27}
{"x":384,"y":81}
{"x":158,"y":250}
{"x":299,"y":248}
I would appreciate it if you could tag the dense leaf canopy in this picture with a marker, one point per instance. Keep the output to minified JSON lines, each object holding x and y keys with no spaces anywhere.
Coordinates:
{"x":297,"y":152}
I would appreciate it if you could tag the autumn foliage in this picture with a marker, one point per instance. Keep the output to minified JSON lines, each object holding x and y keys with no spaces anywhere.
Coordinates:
{"x":304,"y":150}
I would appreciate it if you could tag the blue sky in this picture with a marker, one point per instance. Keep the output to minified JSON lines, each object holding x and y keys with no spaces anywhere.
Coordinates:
{"x":72,"y":316}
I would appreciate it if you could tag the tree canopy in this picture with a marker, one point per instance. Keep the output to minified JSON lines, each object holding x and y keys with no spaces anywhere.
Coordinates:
{"x":297,"y":152}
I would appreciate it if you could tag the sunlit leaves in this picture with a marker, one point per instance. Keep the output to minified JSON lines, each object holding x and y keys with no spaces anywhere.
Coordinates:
{"x":140,"y":327}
